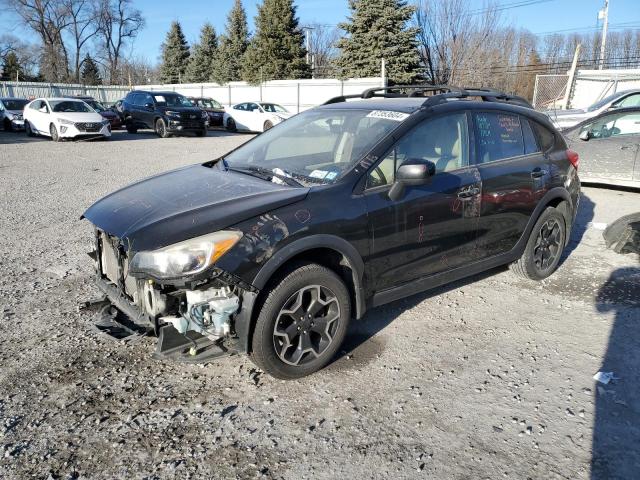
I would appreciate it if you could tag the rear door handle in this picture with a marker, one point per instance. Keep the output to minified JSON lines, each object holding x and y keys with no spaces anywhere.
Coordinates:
{"x":538,"y":172}
{"x":468,"y":192}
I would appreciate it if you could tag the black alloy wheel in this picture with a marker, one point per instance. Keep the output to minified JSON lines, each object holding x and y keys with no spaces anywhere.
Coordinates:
{"x":306,"y":325}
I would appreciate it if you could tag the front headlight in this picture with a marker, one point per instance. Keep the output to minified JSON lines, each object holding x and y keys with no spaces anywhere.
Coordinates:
{"x":64,"y":121}
{"x":173,"y":114}
{"x":11,"y":116}
{"x":185,"y":258}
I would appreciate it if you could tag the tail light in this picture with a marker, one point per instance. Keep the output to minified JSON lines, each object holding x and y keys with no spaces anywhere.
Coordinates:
{"x":574,"y":158}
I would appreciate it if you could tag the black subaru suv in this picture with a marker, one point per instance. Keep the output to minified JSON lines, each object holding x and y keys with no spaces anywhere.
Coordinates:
{"x":273,"y":248}
{"x":166,"y":113}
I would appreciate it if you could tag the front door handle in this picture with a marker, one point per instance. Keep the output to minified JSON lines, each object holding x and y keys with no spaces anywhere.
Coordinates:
{"x":538,"y":172}
{"x":468,"y":192}
{"x":628,"y":146}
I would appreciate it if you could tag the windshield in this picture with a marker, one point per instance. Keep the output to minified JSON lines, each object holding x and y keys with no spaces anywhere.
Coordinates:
{"x":317,"y":146}
{"x":70,"y":106}
{"x":95,"y":105}
{"x":172,"y":100}
{"x":14,"y":104}
{"x":208,"y":103}
{"x":604,"y":101}
{"x":273,"y":108}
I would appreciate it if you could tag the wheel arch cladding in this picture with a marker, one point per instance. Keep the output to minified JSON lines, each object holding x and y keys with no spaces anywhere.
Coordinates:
{"x":563,"y":205}
{"x":332,"y":252}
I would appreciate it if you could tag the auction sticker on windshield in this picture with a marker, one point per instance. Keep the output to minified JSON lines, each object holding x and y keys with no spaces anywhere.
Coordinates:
{"x":388,"y":115}
{"x":159,"y":98}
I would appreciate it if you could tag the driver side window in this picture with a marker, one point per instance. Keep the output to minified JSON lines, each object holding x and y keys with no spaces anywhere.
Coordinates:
{"x":442,"y":141}
{"x":613,"y":126}
{"x":630,"y":101}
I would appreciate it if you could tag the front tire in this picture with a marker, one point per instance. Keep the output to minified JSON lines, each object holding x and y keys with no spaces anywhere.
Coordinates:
{"x":202,"y":133}
{"x":302,"y":322}
{"x":53,"y":131}
{"x":161,"y":128}
{"x":28,"y":130}
{"x":130,"y":128}
{"x":8,"y":127}
{"x":231,"y":125}
{"x":267,"y":125}
{"x":544,"y":247}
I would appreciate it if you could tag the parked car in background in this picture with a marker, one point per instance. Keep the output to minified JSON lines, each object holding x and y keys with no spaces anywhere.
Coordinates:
{"x":61,"y":118}
{"x":254,"y":116}
{"x":569,"y":118}
{"x":114,"y":118}
{"x":609,"y":147}
{"x":214,"y":109}
{"x":167,"y":113}
{"x":272,"y":249}
{"x":118,"y":110}
{"x":11,"y":113}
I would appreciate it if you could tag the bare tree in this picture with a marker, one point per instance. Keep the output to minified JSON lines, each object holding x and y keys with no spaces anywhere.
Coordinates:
{"x":322,"y":48}
{"x":120,"y":23}
{"x":451,"y":35}
{"x":48,"y":19}
{"x":83,"y":26}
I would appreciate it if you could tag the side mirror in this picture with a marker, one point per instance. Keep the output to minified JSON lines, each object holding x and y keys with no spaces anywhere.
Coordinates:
{"x":148,"y":106}
{"x":412,"y":172}
{"x":585,"y":135}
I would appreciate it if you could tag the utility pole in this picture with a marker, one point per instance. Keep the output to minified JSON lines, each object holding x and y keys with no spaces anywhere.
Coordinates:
{"x":603,"y":15}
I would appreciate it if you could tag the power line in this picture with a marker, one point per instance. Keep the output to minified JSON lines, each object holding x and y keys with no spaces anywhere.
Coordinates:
{"x":508,"y":6}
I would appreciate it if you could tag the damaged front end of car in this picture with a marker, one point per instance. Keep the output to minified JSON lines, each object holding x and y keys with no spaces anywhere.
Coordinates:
{"x":176,"y":292}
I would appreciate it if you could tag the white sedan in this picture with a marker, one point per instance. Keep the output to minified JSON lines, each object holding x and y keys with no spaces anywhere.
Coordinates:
{"x":60,"y":118}
{"x":254,"y":116}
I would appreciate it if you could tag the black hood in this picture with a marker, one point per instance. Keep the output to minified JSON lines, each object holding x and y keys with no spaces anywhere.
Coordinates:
{"x":186,"y":203}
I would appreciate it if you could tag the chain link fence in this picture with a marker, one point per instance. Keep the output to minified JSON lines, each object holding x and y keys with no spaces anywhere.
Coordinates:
{"x":549,"y":91}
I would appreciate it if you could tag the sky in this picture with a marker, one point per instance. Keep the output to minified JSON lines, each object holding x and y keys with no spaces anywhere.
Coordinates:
{"x":538,"y":16}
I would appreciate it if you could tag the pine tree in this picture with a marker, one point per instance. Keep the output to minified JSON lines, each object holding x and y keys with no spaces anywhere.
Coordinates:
{"x":90,"y":74}
{"x":175,"y":55}
{"x":233,"y":45}
{"x":200,"y":68}
{"x":276,"y":51}
{"x":378,"y":29}
{"x":11,"y":68}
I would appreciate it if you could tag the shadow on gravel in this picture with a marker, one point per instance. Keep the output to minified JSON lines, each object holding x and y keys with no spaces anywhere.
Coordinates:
{"x":615,"y":452}
{"x":359,"y":341}
{"x":123,"y":135}
{"x":585,"y":215}
{"x":13,"y":138}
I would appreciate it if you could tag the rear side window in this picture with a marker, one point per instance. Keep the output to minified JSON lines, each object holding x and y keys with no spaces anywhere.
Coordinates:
{"x":499,"y":136}
{"x":546,"y":138}
{"x":530,"y":143}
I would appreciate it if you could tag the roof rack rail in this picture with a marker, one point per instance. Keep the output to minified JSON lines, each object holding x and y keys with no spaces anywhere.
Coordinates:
{"x":435,"y":94}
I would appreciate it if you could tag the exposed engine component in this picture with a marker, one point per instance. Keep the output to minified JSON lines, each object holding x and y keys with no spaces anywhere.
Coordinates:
{"x":207,"y":312}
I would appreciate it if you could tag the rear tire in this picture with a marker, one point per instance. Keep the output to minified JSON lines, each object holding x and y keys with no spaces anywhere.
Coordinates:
{"x":161,"y":128}
{"x":302,"y":322}
{"x":544,"y":247}
{"x":53,"y":131}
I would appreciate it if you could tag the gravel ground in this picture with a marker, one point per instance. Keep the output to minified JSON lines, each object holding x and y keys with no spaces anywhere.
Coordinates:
{"x":486,"y":378}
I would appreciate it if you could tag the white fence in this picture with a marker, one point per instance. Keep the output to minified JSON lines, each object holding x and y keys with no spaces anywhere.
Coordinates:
{"x":108,"y":94}
{"x":593,"y":85}
{"x":294,"y":95}
{"x":588,"y":87}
